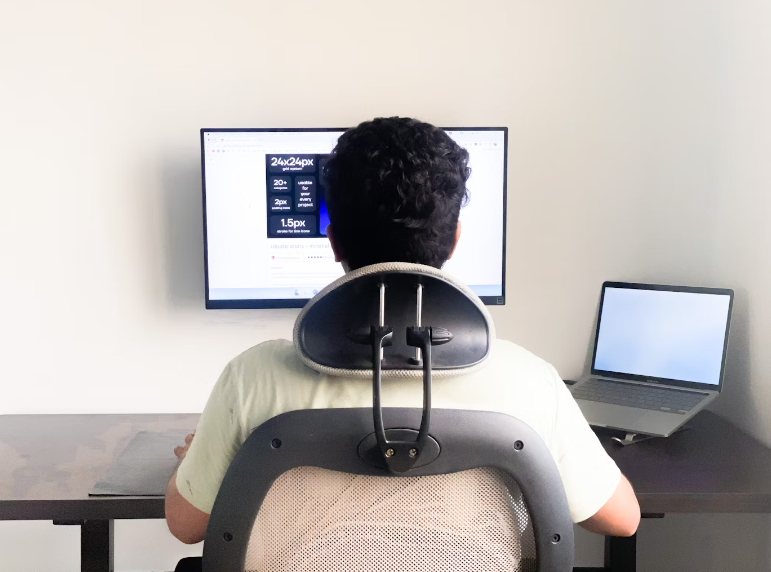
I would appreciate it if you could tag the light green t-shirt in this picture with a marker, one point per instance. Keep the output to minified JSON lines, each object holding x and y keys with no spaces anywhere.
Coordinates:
{"x":269,"y":379}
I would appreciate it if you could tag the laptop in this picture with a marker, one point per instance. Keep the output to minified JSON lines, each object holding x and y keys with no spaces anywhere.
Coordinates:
{"x":659,"y":356}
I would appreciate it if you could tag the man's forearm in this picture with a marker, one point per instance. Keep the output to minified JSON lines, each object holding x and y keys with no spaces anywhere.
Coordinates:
{"x":185,"y":521}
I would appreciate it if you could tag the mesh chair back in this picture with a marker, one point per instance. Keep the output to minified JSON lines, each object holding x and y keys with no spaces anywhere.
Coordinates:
{"x":316,"y":520}
{"x":303,"y":495}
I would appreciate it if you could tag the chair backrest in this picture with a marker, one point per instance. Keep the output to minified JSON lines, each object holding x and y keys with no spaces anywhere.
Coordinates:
{"x":379,"y":489}
{"x":307,"y":492}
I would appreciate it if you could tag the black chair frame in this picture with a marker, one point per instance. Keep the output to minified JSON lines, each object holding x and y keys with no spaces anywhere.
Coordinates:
{"x":343,"y":440}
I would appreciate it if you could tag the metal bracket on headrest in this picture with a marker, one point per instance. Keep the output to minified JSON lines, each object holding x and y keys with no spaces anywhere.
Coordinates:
{"x":400,"y":455}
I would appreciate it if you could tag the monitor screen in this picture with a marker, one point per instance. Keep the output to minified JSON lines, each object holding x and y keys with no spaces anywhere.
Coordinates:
{"x":265,"y":216}
{"x":663,"y":334}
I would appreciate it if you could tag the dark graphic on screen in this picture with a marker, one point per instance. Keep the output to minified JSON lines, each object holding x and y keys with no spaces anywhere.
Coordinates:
{"x":296,"y":204}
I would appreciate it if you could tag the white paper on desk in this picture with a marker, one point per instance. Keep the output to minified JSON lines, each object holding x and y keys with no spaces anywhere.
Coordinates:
{"x":143,"y":468}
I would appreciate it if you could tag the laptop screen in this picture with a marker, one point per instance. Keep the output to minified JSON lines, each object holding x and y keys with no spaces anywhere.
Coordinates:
{"x":663,"y":334}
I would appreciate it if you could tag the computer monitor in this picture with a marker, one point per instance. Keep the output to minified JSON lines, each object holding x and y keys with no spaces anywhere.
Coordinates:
{"x":265,"y":216}
{"x":672,"y":334}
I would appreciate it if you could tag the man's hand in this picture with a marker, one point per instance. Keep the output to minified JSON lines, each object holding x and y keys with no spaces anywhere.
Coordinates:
{"x":181,"y":452}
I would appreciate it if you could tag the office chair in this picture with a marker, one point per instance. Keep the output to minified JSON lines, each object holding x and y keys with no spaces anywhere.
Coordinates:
{"x":392,"y":489}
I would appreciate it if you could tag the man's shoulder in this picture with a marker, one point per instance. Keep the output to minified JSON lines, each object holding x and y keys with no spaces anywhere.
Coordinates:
{"x":272,"y":356}
{"x":513,"y":378}
{"x":281,"y":353}
{"x":271,"y":348}
{"x":517,"y":359}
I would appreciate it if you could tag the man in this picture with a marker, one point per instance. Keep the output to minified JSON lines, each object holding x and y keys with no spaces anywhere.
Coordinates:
{"x":394,"y":192}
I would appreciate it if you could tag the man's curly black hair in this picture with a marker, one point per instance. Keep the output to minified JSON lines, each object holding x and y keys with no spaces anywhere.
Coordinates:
{"x":394,"y":189}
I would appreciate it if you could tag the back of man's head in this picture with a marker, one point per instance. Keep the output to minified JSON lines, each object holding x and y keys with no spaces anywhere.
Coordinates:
{"x":394,"y":189}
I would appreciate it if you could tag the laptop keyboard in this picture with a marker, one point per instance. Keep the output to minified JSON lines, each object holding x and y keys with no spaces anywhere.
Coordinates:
{"x":639,"y":396}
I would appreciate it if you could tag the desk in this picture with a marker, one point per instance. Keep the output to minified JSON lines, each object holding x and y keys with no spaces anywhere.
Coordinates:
{"x":711,"y":467}
{"x":50,"y":462}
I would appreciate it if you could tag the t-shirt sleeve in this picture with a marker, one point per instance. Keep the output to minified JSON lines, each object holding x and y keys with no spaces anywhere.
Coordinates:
{"x":588,"y":473}
{"x":218,"y":437}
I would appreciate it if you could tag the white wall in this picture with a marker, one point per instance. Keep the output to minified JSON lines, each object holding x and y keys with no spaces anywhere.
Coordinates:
{"x":638,"y":141}
{"x":742,"y":243}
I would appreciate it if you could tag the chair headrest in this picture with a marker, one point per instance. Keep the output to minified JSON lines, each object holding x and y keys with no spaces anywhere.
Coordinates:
{"x":322,"y":332}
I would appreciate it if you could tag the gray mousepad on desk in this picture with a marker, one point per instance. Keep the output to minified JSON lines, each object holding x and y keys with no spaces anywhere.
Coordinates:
{"x":143,"y":468}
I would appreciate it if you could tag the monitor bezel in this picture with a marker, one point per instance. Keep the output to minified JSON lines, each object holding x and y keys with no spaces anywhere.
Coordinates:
{"x":663,"y":380}
{"x":252,"y":304}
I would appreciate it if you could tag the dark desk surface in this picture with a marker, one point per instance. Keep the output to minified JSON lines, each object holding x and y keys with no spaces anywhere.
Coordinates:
{"x":711,"y":467}
{"x":48,"y":464}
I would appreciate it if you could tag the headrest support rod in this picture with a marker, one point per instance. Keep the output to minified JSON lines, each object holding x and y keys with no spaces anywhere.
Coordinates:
{"x":379,"y":337}
{"x":399,"y":455}
{"x":381,"y":320}
{"x":382,"y":304}
{"x":419,"y":316}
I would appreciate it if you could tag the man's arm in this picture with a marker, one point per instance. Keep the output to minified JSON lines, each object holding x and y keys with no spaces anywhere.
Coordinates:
{"x":185,"y":521}
{"x":205,"y":459}
{"x":620,"y":516}
{"x":601,"y":499}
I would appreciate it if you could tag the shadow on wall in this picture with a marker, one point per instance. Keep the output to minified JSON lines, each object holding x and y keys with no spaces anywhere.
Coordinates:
{"x":180,"y":260}
{"x":736,"y":402}
{"x":182,"y":222}
{"x":592,"y":335}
